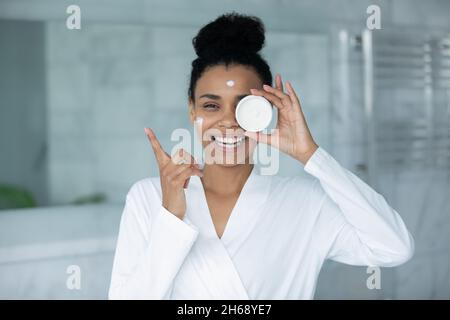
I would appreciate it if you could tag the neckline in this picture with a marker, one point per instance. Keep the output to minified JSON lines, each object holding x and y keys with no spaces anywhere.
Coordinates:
{"x":235,"y":211}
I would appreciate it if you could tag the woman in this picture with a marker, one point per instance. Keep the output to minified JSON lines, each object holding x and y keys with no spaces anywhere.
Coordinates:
{"x":234,"y":234}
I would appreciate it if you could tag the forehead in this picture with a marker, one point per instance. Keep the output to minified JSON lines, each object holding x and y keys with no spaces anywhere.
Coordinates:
{"x":214,"y":80}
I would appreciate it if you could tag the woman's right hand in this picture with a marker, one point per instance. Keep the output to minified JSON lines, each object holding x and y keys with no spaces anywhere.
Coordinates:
{"x":174,"y":173}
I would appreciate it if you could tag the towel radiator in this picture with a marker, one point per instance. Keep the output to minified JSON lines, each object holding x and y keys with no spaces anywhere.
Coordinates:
{"x":406,"y":79}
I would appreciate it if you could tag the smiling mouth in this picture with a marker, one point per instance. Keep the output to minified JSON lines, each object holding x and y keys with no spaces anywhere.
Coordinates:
{"x":228,"y":142}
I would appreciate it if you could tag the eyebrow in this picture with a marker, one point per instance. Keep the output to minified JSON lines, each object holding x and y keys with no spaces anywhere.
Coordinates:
{"x":216,"y":97}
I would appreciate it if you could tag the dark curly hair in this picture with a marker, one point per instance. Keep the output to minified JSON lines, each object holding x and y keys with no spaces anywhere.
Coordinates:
{"x":230,"y":39}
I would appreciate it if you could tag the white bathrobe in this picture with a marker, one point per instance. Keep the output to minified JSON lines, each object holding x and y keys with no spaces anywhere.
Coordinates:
{"x":277,"y":237}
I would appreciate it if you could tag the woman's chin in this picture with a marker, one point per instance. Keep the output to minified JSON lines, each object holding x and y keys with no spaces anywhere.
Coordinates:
{"x":228,"y":160}
{"x":228,"y":163}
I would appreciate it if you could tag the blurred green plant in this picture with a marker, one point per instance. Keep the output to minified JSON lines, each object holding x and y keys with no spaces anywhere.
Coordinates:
{"x":12,"y":197}
{"x":93,"y":198}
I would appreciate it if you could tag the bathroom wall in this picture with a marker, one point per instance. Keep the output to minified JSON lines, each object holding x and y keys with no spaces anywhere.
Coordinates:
{"x":23,"y":110}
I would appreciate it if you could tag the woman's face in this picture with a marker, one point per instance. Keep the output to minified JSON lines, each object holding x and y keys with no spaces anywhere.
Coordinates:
{"x":217,"y":94}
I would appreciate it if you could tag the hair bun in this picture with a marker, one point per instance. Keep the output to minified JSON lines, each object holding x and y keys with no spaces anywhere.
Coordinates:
{"x":229,"y":34}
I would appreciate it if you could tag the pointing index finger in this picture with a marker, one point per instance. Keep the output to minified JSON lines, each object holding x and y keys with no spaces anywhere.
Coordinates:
{"x":160,"y":154}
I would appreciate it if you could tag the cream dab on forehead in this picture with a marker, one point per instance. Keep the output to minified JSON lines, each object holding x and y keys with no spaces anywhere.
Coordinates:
{"x":230,"y":83}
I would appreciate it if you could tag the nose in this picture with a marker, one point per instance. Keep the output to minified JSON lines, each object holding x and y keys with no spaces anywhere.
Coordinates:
{"x":229,"y":118}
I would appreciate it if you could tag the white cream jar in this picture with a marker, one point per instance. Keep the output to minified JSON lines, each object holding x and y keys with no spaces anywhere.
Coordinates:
{"x":254,"y":113}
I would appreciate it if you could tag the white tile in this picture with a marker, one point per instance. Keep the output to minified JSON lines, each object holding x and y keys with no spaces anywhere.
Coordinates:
{"x":415,"y":279}
{"x":67,"y":149}
{"x":108,"y":41}
{"x":171,"y":41}
{"x":442,"y":275}
{"x":123,"y":111}
{"x":422,"y":201}
{"x":118,"y":72}
{"x":407,"y":12}
{"x":66,"y":46}
{"x":69,"y":86}
{"x":303,"y":60}
{"x":339,"y":281}
{"x":76,"y":123}
{"x":171,"y":81}
{"x":120,"y":162}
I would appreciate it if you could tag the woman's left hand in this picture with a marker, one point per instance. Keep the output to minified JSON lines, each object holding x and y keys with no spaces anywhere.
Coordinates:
{"x":291,"y":135}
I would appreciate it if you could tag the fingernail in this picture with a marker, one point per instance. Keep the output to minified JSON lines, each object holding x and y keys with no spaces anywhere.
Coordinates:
{"x":146,"y":130}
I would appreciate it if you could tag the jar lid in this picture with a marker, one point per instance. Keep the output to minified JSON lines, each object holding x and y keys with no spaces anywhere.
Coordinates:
{"x":254,"y":113}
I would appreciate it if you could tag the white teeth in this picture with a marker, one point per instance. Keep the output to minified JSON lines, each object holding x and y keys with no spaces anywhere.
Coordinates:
{"x":228,"y":145}
{"x":229,"y":140}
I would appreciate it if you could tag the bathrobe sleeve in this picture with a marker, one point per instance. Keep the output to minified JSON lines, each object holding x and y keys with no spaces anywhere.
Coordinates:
{"x":151,"y":247}
{"x":355,"y":224}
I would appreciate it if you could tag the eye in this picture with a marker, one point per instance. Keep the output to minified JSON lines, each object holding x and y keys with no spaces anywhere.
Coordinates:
{"x":210,"y":107}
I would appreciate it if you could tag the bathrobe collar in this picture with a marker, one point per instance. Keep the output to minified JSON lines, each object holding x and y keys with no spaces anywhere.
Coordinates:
{"x":243,"y":216}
